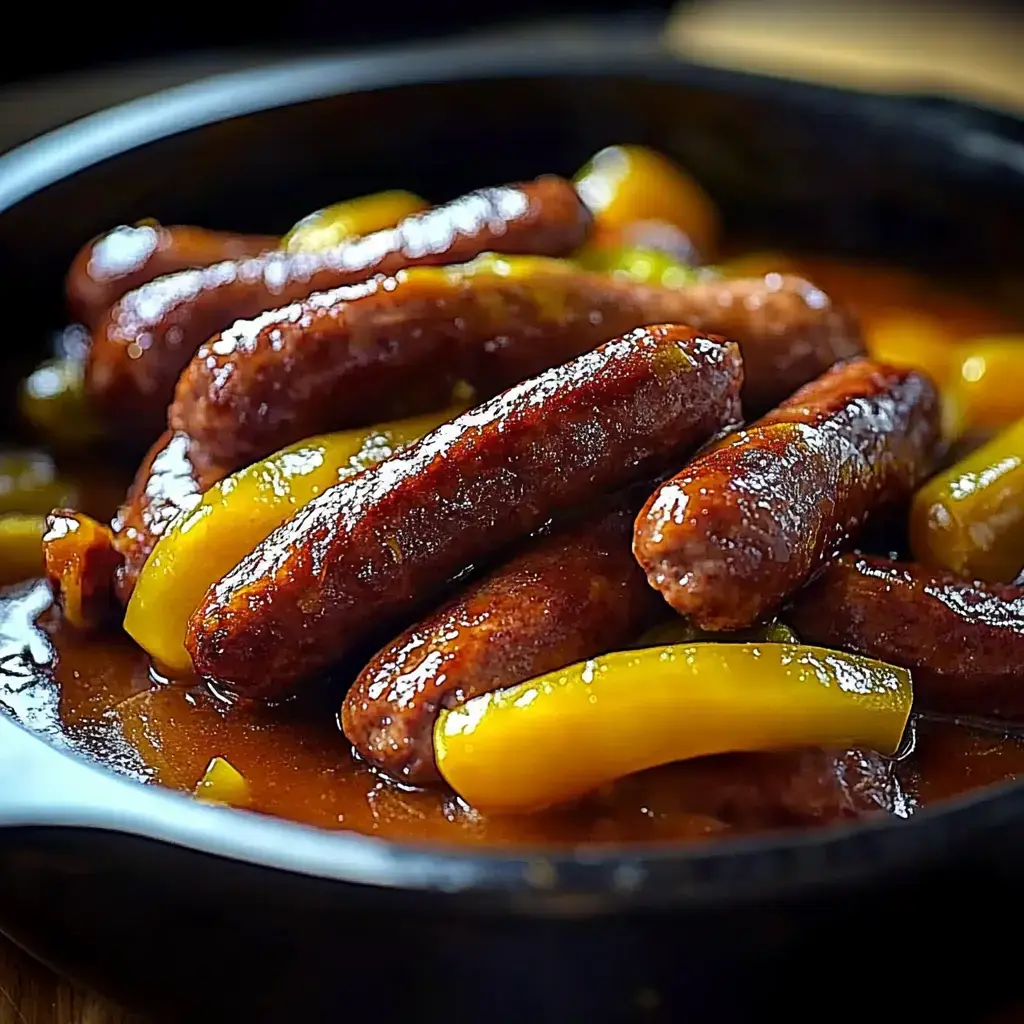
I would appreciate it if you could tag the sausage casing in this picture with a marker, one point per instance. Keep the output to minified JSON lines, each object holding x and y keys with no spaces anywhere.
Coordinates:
{"x":129,"y":256}
{"x":567,"y":597}
{"x":364,"y":551}
{"x":167,"y":484}
{"x":749,"y":521}
{"x":343,"y":357}
{"x":962,"y":640}
{"x":147,"y":338}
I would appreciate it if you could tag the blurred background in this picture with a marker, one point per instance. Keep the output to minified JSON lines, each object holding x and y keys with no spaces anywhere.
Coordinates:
{"x":86,"y":57}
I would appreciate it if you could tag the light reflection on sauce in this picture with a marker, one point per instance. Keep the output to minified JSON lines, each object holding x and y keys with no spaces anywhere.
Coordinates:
{"x":98,"y":697}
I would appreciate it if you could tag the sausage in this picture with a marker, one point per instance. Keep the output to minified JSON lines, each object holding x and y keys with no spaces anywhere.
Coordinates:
{"x":569,"y":596}
{"x":338,"y":358}
{"x":783,"y":789}
{"x":962,"y":640}
{"x":362,"y":551}
{"x":166,"y":484}
{"x":789,"y":329}
{"x":750,"y":520}
{"x":129,"y":256}
{"x":147,"y":338}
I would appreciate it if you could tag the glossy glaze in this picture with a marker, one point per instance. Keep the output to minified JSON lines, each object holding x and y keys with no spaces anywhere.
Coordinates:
{"x":567,"y":597}
{"x":964,"y":639}
{"x":375,"y":546}
{"x":748,"y":522}
{"x":150,"y":334}
{"x":98,"y":696}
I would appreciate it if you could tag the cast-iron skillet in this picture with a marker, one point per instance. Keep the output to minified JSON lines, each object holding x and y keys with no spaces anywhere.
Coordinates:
{"x":201,"y":913}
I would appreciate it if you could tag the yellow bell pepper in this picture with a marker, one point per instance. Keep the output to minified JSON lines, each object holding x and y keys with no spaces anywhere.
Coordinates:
{"x":354,"y":217}
{"x":917,"y":340}
{"x":623,"y":185}
{"x":223,"y":783}
{"x":986,"y":381}
{"x":21,"y":547}
{"x":970,"y":518}
{"x":557,"y":737}
{"x":239,"y":512}
{"x":645,"y":266}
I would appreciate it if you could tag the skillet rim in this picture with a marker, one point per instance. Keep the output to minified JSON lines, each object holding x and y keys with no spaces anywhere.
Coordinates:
{"x":54,"y":787}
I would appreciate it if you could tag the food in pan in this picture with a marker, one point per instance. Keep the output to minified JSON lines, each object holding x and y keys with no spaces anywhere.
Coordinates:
{"x":546,"y":513}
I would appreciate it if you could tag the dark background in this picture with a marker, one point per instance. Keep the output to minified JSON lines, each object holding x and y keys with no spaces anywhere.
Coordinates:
{"x":46,"y":39}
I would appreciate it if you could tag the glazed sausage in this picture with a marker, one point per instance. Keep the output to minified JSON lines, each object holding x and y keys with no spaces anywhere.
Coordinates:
{"x":166,"y":484}
{"x":362,"y":551}
{"x":784,"y":789}
{"x":141,"y":346}
{"x":129,"y":256}
{"x":752,"y":519}
{"x":789,"y":329}
{"x":963,"y":641}
{"x":569,"y":596}
{"x":338,"y":358}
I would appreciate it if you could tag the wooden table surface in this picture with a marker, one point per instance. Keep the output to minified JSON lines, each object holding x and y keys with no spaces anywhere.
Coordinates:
{"x":975,"y":54}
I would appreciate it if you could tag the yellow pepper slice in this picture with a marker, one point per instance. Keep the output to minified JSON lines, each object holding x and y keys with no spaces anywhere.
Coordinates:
{"x":239,"y":512}
{"x":986,"y":381}
{"x":52,"y":400}
{"x":623,"y":185}
{"x":21,"y":547}
{"x":970,"y":518}
{"x":223,"y":783}
{"x":557,"y":737}
{"x":917,"y":340}
{"x":646,"y":266}
{"x":334,"y":224}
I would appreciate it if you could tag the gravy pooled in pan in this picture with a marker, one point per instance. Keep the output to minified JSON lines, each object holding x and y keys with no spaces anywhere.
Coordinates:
{"x":529,"y":517}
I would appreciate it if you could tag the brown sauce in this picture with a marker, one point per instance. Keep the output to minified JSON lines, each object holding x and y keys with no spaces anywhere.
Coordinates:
{"x":99,"y":697}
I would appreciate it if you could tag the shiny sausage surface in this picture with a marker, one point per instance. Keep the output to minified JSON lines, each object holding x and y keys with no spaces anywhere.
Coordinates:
{"x":343,"y":357}
{"x":166,"y":484}
{"x":569,"y":596}
{"x":749,"y":521}
{"x":790,"y":331}
{"x":148,"y":337}
{"x":962,"y":640}
{"x":363,"y":551}
{"x":129,"y":256}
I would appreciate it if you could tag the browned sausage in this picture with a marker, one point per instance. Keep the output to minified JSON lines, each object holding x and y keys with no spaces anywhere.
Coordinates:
{"x":342,"y":358}
{"x":141,"y":346}
{"x":789,"y":329}
{"x":364,"y":550}
{"x":749,"y":521}
{"x":963,"y":641}
{"x":167,"y":483}
{"x":569,"y":596}
{"x":787,"y":789}
{"x":129,"y":256}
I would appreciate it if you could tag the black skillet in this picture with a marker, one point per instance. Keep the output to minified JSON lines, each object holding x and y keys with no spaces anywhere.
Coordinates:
{"x":198,"y":913}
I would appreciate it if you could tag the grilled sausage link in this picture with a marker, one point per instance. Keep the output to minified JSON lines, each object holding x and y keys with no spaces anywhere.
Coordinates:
{"x":752,"y":519}
{"x":569,"y":596}
{"x":126,"y":257}
{"x":166,"y":484}
{"x":147,"y":338}
{"x":963,"y":641}
{"x":338,"y":358}
{"x":789,"y":330}
{"x":362,"y":551}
